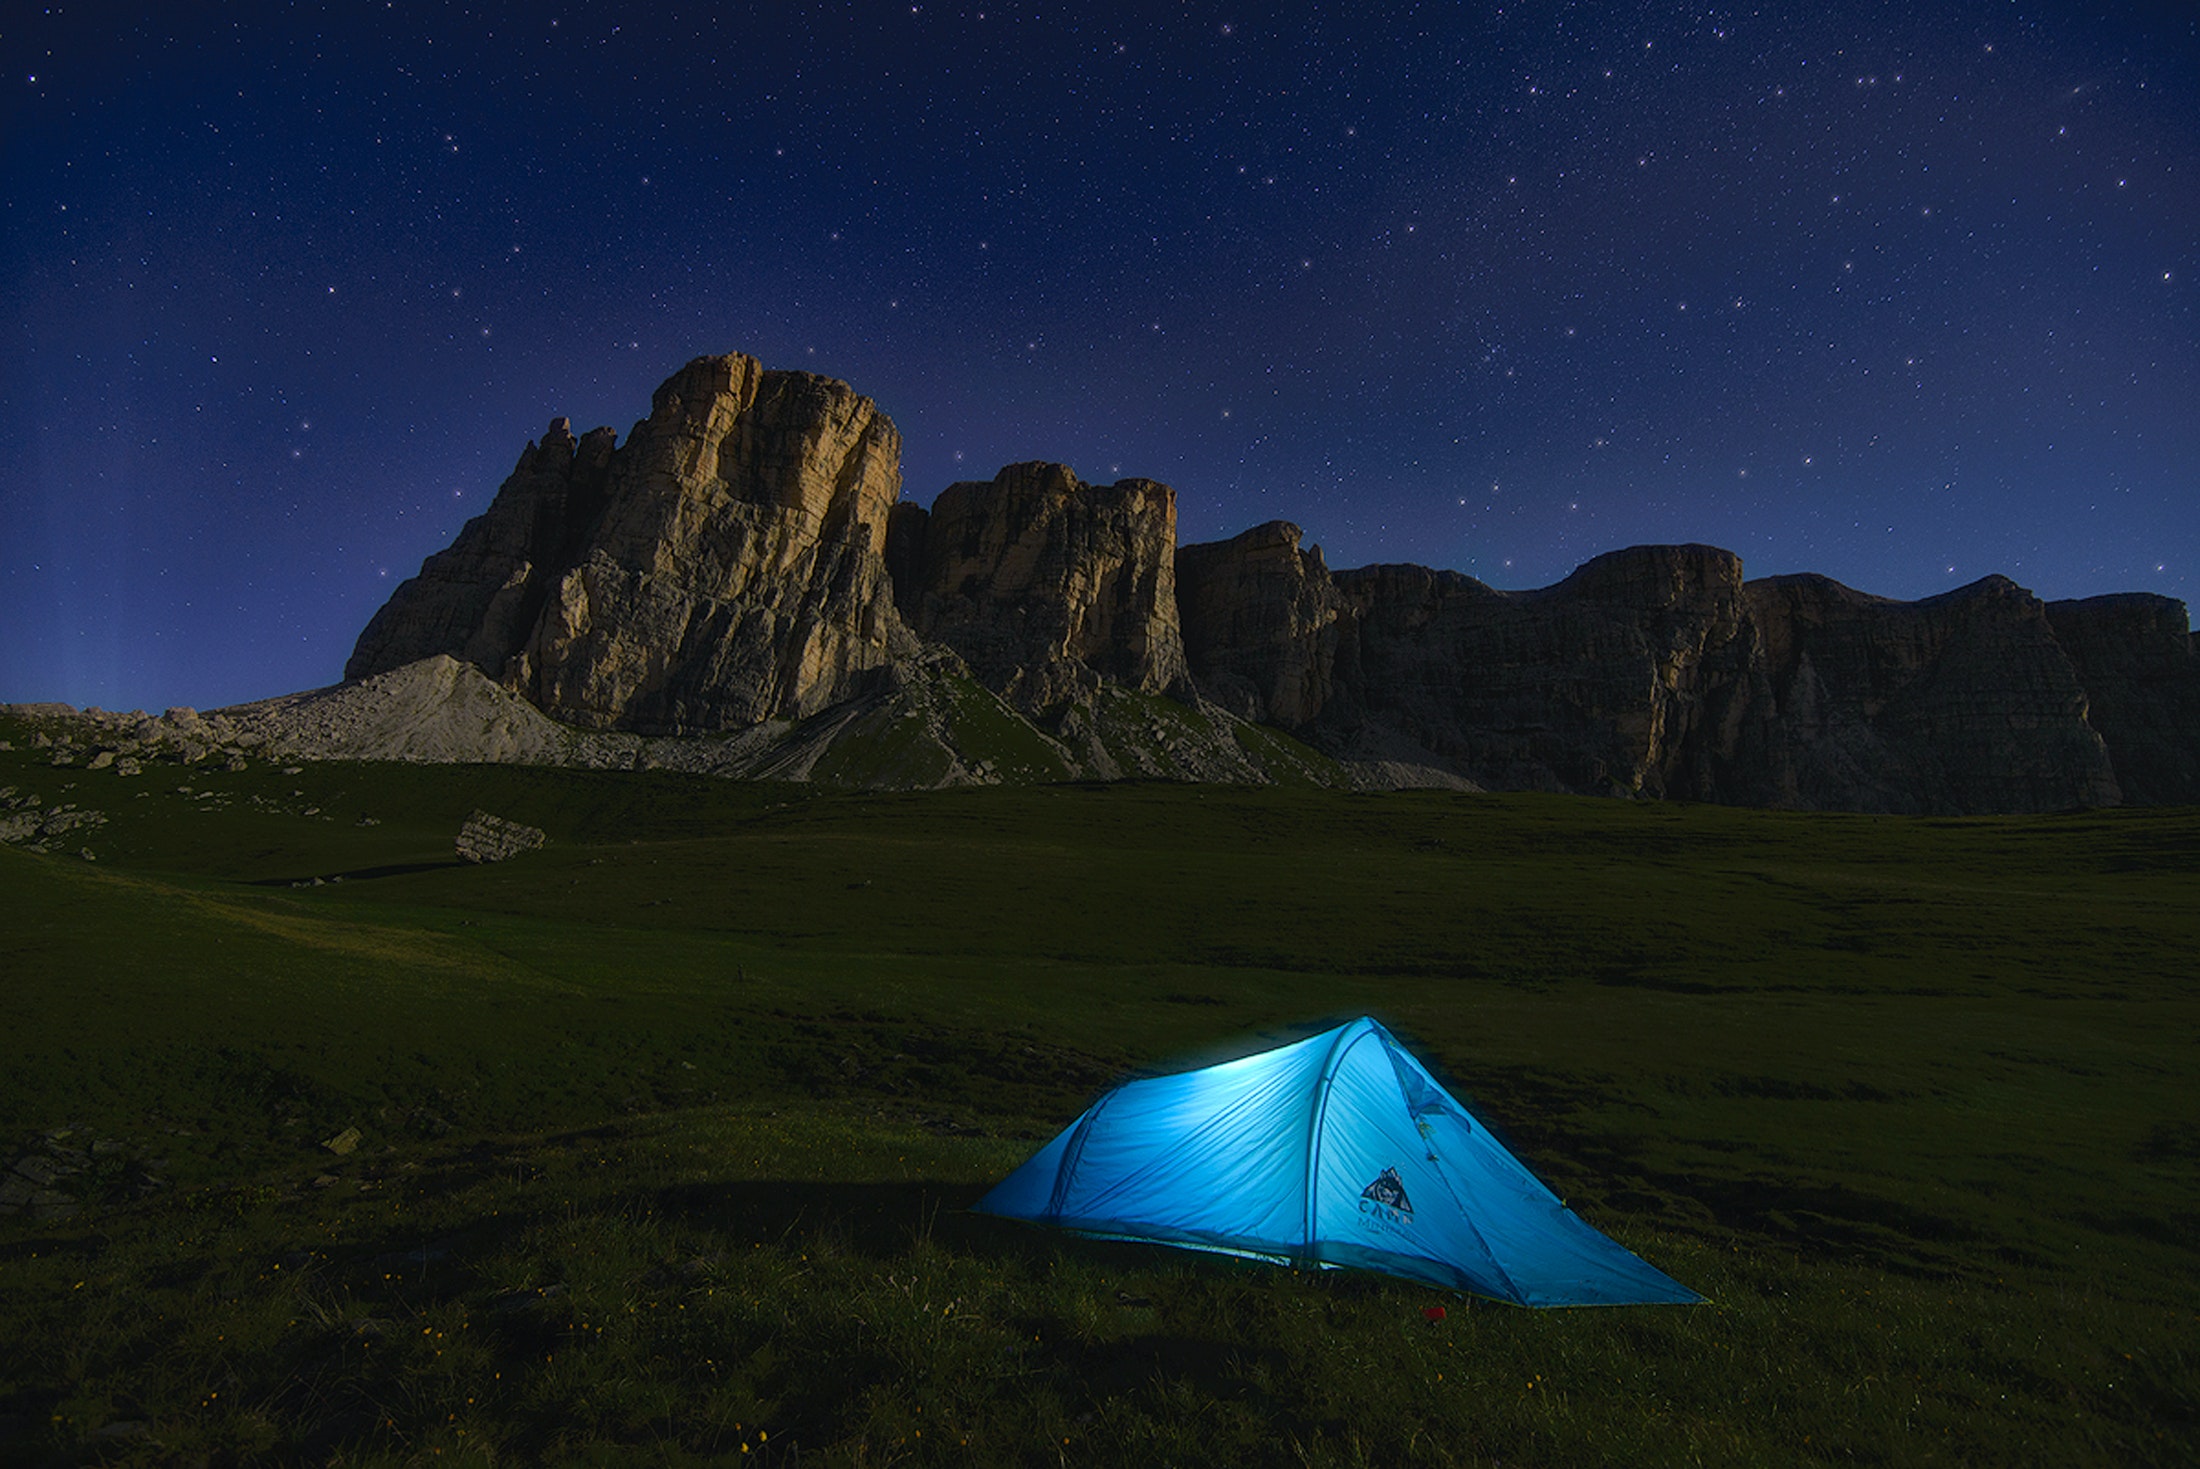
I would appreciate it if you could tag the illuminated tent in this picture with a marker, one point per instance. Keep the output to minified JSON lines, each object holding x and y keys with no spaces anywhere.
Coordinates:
{"x":1339,"y":1151}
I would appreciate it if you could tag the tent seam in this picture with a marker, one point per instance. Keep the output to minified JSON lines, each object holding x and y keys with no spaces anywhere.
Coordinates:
{"x":1075,"y":1151}
{"x":1350,"y":1036}
{"x":1443,"y":1176}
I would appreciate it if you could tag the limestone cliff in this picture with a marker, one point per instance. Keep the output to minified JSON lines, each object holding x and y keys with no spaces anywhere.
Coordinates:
{"x":1960,"y":702}
{"x":1657,"y":671}
{"x":1048,"y":587}
{"x":742,"y":568}
{"x":1602,"y":683}
{"x":724,"y":566}
{"x":478,"y":600}
{"x":1260,"y":623}
{"x":1610,"y":681}
{"x":2135,"y":656}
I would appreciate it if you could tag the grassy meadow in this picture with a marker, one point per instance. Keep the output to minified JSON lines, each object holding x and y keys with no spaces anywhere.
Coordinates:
{"x":666,"y":1132}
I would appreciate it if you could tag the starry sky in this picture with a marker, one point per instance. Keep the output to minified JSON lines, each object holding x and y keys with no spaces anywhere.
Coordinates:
{"x":1904,"y":293}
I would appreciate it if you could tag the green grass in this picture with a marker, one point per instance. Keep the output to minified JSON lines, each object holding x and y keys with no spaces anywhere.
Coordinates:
{"x":670,"y":1126}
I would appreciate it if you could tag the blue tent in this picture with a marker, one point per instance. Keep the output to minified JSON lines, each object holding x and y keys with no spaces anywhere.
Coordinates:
{"x":1339,"y":1151}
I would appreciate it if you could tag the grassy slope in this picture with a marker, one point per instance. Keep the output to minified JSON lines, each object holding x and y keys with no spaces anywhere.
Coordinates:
{"x":1912,"y":1100}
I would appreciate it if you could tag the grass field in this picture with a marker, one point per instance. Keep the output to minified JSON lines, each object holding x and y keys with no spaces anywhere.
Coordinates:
{"x":667,"y":1130}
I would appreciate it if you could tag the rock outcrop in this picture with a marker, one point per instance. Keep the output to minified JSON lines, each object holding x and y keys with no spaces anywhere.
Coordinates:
{"x":1657,"y":671}
{"x":1259,"y":620}
{"x":724,"y":566}
{"x":478,"y":600}
{"x":2134,"y":653}
{"x":23,"y":821}
{"x":1960,"y":702}
{"x":1045,"y":586}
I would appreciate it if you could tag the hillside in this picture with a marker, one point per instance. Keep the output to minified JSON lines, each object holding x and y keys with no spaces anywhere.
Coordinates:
{"x":660,"y":1134}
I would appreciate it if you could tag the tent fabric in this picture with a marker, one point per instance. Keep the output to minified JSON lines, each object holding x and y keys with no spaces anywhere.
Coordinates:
{"x":1339,"y":1151}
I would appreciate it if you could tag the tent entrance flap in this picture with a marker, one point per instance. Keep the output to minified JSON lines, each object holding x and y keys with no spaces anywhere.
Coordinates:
{"x":1340,"y":1151}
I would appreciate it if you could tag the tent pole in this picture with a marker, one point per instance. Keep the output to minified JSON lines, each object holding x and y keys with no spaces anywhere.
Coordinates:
{"x":1347,"y":1037}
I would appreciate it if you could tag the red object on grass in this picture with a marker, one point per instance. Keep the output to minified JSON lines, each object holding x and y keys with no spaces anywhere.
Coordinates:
{"x":1433,"y":1313}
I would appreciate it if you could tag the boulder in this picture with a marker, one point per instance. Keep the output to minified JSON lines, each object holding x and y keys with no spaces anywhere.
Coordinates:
{"x":486,"y":838}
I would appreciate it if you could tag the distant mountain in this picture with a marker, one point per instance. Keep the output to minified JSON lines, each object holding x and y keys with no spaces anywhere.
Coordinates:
{"x":739,"y":587}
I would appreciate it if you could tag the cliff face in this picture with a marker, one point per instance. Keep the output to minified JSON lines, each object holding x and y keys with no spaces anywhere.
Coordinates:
{"x":1657,"y":671}
{"x":1260,"y":623}
{"x":736,"y":572}
{"x":1047,"y":586}
{"x":744,"y":560}
{"x":725,"y":566}
{"x":478,"y":600}
{"x":2141,"y":673}
{"x":1602,"y":683}
{"x":1608,"y":682}
{"x":1961,"y":702}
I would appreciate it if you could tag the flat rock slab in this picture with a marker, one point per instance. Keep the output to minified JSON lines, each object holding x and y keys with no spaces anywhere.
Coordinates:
{"x":486,"y":838}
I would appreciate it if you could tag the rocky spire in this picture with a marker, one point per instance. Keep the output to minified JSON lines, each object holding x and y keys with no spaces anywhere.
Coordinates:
{"x":724,"y":566}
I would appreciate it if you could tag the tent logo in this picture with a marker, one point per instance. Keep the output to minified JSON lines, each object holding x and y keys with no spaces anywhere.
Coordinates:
{"x":1389,"y":1191}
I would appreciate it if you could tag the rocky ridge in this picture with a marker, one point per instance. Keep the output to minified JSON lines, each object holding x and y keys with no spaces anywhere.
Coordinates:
{"x":739,"y":590}
{"x":1658,"y":671}
{"x":1046,"y":587}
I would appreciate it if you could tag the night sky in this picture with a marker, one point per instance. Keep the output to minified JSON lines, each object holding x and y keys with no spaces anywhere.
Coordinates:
{"x":1901,"y":293}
